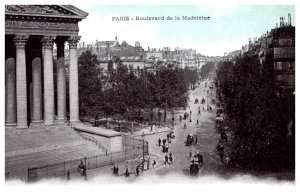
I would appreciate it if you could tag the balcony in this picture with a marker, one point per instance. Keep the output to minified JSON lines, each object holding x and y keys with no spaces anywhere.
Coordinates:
{"x":284,"y":53}
{"x":284,"y":43}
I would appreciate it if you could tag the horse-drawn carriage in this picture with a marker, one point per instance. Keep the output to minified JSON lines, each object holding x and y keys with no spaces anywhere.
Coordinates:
{"x":171,"y":135}
{"x":196,"y":164}
{"x":194,"y":169}
{"x":189,"y":140}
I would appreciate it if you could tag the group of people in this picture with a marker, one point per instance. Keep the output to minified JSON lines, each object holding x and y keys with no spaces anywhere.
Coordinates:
{"x":166,"y":142}
{"x":165,"y":147}
{"x":191,"y":140}
{"x":168,"y":159}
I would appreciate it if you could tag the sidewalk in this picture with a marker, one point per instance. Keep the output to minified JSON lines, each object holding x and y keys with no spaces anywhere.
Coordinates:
{"x":147,"y":131}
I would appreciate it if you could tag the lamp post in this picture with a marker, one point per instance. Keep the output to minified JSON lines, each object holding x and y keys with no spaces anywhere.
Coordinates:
{"x":143,"y":135}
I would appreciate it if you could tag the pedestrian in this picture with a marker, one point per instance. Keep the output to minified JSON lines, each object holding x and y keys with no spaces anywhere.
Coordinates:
{"x":127,"y":172}
{"x":180,"y":118}
{"x":137,"y":170}
{"x":68,"y":175}
{"x":159,"y":142}
{"x":68,"y":119}
{"x":190,"y":119}
{"x":196,"y":139}
{"x":200,"y":160}
{"x":190,"y":113}
{"x":154,"y":163}
{"x":168,"y":136}
{"x":171,"y":158}
{"x":166,"y":159}
{"x":170,"y":141}
{"x":117,"y":170}
{"x":114,"y":170}
{"x":148,"y":163}
{"x":167,"y":148}
{"x":184,"y":126}
{"x":191,"y":153}
{"x":84,"y":173}
{"x":197,"y":122}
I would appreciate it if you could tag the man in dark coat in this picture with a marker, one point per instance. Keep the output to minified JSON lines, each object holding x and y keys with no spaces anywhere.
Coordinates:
{"x":166,"y":159}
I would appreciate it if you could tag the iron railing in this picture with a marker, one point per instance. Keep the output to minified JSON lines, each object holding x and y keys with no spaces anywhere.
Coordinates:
{"x":134,"y":148}
{"x":92,"y":139}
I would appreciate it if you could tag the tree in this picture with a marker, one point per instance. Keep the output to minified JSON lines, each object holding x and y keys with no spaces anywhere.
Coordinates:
{"x":206,"y":69}
{"x":256,"y":116}
{"x":90,"y":94}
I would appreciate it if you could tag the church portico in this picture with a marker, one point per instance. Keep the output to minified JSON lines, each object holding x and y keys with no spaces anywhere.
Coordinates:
{"x":31,"y":32}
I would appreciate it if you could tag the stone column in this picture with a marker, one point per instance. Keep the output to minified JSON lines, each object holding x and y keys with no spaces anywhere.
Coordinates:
{"x":61,"y":81}
{"x":10,"y":103}
{"x":73,"y":82}
{"x":21,"y":88}
{"x":37,"y":90}
{"x":48,"y":80}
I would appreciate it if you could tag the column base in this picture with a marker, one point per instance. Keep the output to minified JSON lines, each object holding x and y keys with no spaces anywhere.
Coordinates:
{"x":10,"y":124}
{"x":48,"y":123}
{"x":60,"y":121}
{"x":36,"y":123}
{"x":22,"y":127}
{"x":74,"y":122}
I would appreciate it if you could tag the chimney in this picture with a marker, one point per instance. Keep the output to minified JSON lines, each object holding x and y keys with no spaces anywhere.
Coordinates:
{"x":289,"y":20}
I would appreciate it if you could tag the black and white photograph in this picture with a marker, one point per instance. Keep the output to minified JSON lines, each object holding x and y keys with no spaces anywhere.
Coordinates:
{"x":149,"y":94}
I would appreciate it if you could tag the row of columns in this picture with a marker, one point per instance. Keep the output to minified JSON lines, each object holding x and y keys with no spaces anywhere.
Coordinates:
{"x":16,"y":87}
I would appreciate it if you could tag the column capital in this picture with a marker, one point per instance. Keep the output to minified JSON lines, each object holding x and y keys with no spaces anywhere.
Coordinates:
{"x":48,"y":41}
{"x":73,"y":40}
{"x":20,"y":41}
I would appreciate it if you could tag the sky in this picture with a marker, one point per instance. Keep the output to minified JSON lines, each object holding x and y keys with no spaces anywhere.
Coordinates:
{"x":229,"y":27}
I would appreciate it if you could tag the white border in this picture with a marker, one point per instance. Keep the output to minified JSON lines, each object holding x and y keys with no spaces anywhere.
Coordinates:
{"x":213,"y":184}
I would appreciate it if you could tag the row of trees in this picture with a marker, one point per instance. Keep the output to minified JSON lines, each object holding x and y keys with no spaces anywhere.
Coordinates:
{"x":206,"y":69}
{"x":261,"y":118}
{"x":123,"y":93}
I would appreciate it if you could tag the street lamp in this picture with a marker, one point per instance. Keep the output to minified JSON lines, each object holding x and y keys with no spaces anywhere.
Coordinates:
{"x":143,"y":135}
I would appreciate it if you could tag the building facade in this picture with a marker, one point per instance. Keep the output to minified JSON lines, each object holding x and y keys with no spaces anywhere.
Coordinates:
{"x":276,"y":52}
{"x":31,"y":31}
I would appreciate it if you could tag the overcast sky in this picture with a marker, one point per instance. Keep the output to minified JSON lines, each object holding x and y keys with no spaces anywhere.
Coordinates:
{"x":229,"y":27}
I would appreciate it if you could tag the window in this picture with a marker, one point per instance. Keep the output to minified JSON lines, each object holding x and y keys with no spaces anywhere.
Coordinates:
{"x":291,"y":66}
{"x":278,"y":65}
{"x":279,"y":77}
{"x":291,"y":79}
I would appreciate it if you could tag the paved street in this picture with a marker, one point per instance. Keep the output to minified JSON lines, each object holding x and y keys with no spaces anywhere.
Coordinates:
{"x":207,"y":142}
{"x":208,"y":137}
